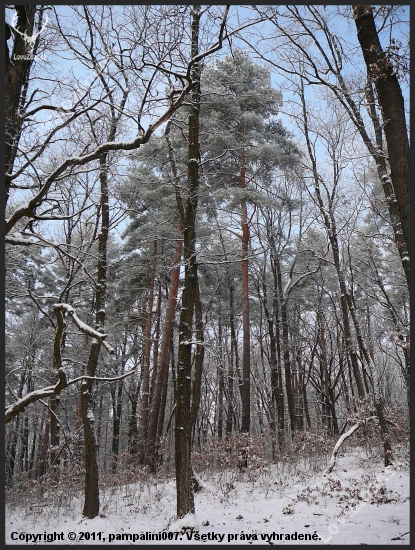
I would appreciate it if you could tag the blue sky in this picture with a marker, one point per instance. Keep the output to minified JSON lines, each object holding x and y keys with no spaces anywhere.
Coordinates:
{"x":346,"y":32}
{"x":63,"y":64}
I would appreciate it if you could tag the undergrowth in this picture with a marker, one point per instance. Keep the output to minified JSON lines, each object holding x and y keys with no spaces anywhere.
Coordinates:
{"x":228,"y":467}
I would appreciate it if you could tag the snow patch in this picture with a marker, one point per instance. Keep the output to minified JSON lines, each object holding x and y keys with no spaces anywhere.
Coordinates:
{"x":187,"y":522}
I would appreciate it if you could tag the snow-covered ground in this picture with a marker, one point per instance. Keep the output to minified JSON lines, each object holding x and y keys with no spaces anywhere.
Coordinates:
{"x":360,"y":502}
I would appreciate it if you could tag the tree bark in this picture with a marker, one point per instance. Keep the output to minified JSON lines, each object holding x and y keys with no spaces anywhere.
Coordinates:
{"x":285,"y":349}
{"x":326,"y":383}
{"x":382,"y":73}
{"x":246,"y":349}
{"x":91,"y":504}
{"x":184,"y":484}
{"x":18,"y":65}
{"x":54,"y":432}
{"x":156,"y":341}
{"x":377,"y":395}
{"x":169,"y":365}
{"x":279,"y":394}
{"x":117,"y":411}
{"x":145,"y":384}
{"x":157,"y":410}
{"x":198,"y":359}
{"x":274,"y":366}
{"x":220,"y":373}
{"x":234,"y":361}
{"x":132,"y":423}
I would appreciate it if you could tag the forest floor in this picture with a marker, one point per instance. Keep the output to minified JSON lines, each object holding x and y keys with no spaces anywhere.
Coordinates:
{"x":360,"y":502}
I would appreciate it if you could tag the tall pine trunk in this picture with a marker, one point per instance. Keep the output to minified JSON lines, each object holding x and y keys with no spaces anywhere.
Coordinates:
{"x":157,"y":408}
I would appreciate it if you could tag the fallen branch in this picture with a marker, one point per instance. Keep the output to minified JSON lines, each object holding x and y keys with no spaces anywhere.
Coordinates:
{"x":335,"y":452}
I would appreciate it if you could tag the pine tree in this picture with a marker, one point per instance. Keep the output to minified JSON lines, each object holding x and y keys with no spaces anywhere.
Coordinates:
{"x":240,"y":108}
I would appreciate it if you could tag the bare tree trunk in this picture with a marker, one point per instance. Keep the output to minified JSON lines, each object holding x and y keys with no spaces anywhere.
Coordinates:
{"x":133,"y":395}
{"x":246,"y":353}
{"x":117,"y":411}
{"x":198,"y":359}
{"x":44,"y":445}
{"x":233,"y":356}
{"x":273,"y":364}
{"x":403,"y":340}
{"x":297,"y":374}
{"x":285,"y":349}
{"x":15,"y":439}
{"x":382,"y":73}
{"x":377,"y":395}
{"x":305,"y":400}
{"x":91,"y":504}
{"x":54,"y":432}
{"x":145,"y":384}
{"x":132,"y":423}
{"x":33,"y":450}
{"x":13,"y":450}
{"x":220,"y":373}
{"x":184,"y":478}
{"x":326,"y":386}
{"x":279,"y":394}
{"x":169,"y":365}
{"x":156,"y":342}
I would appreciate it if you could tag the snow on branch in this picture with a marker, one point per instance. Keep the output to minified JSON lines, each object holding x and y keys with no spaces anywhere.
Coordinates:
{"x":102,"y":379}
{"x":86,"y":329}
{"x":20,"y":405}
{"x":37,"y":395}
{"x":290,"y":285}
{"x":19,"y":240}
